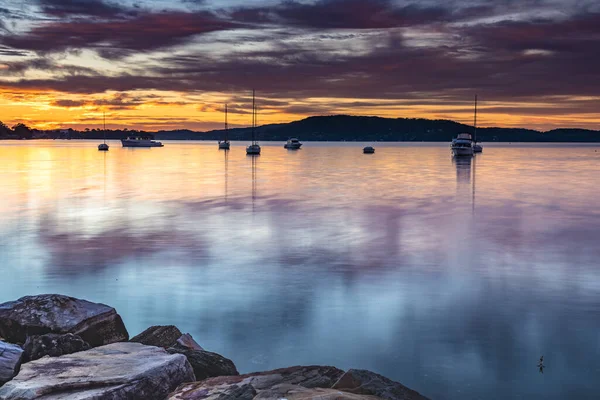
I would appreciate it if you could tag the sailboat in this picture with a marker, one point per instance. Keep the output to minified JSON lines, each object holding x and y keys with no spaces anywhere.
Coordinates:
{"x":476,"y":148}
{"x":224,"y":144}
{"x":103,"y":146}
{"x":254,"y":148}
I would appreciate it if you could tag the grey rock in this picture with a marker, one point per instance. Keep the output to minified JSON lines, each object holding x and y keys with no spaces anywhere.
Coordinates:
{"x":116,"y":371}
{"x":226,"y":386}
{"x":366,"y":382}
{"x":295,"y":392}
{"x":11,"y":357}
{"x":186,"y":341}
{"x":159,"y":336}
{"x":197,"y":391}
{"x":95,"y":323}
{"x":53,"y":345}
{"x":207,"y":364}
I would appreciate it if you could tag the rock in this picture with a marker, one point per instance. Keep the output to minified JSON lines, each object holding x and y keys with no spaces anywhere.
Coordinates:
{"x":186,"y":341}
{"x":308,"y":377}
{"x":117,"y":371}
{"x":206,"y":364}
{"x":366,"y":382}
{"x":95,"y":323}
{"x":196,"y":391}
{"x":166,"y":336}
{"x":53,"y":345}
{"x":295,"y":392}
{"x":159,"y":336}
{"x":11,"y":357}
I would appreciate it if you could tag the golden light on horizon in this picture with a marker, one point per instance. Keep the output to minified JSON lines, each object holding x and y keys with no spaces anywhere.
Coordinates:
{"x":165,"y":110}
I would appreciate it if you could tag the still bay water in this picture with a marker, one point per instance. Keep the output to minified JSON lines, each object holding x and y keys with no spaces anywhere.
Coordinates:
{"x":452,"y":277}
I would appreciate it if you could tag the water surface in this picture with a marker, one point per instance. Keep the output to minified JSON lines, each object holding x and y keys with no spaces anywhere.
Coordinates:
{"x":452,"y":277}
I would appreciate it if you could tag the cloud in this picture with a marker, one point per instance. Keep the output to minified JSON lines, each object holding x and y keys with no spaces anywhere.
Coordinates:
{"x":68,"y":103}
{"x":344,"y":14}
{"x":120,"y":37}
{"x":67,"y":8}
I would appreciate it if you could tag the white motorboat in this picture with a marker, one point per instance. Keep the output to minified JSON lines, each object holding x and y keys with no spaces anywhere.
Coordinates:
{"x":292,"y":144}
{"x":462,"y":145}
{"x":140,"y":141}
{"x":254,"y":148}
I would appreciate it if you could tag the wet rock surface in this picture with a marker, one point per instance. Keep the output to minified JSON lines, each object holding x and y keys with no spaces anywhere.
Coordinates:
{"x":207,"y":364}
{"x":97,"y":324}
{"x":361,"y":381}
{"x":166,"y":336}
{"x":11,"y":357}
{"x":53,"y":345}
{"x":295,"y":392}
{"x":116,"y":371}
{"x":300,"y":377}
{"x":159,"y":336}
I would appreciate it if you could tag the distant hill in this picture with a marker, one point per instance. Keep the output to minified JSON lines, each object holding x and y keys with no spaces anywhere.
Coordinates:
{"x":342,"y":128}
{"x":352,"y":128}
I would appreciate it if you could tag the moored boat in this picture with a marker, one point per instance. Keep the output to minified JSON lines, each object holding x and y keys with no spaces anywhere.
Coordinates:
{"x":369,"y":150}
{"x":103,"y":146}
{"x":292,"y":144}
{"x":462,"y":145}
{"x":254,"y":148}
{"x":476,"y":147}
{"x":224,"y":144}
{"x":140,"y":141}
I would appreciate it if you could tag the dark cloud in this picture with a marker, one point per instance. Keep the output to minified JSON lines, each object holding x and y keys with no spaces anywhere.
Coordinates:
{"x":68,"y":103}
{"x":344,"y":14}
{"x":120,"y":101}
{"x":116,"y":38}
{"x":95,"y":8}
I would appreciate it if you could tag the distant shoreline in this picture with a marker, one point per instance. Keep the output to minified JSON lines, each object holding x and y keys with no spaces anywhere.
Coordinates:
{"x":337,"y":128}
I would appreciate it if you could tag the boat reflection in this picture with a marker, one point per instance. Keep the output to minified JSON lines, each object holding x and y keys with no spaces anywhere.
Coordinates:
{"x":463,"y":169}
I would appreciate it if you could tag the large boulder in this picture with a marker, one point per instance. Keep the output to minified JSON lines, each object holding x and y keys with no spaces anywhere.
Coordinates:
{"x":366,"y":382}
{"x":97,"y":324}
{"x":206,"y":364}
{"x":201,"y":391}
{"x":295,"y":392}
{"x":225,"y":391}
{"x":117,"y":371}
{"x":11,"y":357}
{"x":166,"y":336}
{"x":159,"y":336}
{"x":53,"y":345}
{"x":248,"y":385}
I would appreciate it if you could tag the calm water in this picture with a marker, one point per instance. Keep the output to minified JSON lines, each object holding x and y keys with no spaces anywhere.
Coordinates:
{"x":451,"y":277}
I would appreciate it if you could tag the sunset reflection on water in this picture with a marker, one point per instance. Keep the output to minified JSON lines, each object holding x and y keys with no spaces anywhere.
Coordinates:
{"x":451,"y":276}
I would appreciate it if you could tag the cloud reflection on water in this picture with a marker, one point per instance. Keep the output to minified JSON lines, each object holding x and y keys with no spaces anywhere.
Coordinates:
{"x":452,"y":289}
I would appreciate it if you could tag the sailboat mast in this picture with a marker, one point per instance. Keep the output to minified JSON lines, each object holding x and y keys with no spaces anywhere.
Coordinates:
{"x":253,"y":117}
{"x":226,"y":126}
{"x":475,"y":120}
{"x":104,"y":124}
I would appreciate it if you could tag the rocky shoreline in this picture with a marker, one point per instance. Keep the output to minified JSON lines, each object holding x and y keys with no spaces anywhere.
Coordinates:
{"x":58,"y":347}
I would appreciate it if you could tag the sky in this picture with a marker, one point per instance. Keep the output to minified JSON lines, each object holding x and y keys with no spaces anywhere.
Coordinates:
{"x":158,"y":64}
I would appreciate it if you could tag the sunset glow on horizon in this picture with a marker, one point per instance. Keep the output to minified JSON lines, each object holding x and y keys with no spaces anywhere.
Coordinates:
{"x":158,"y":65}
